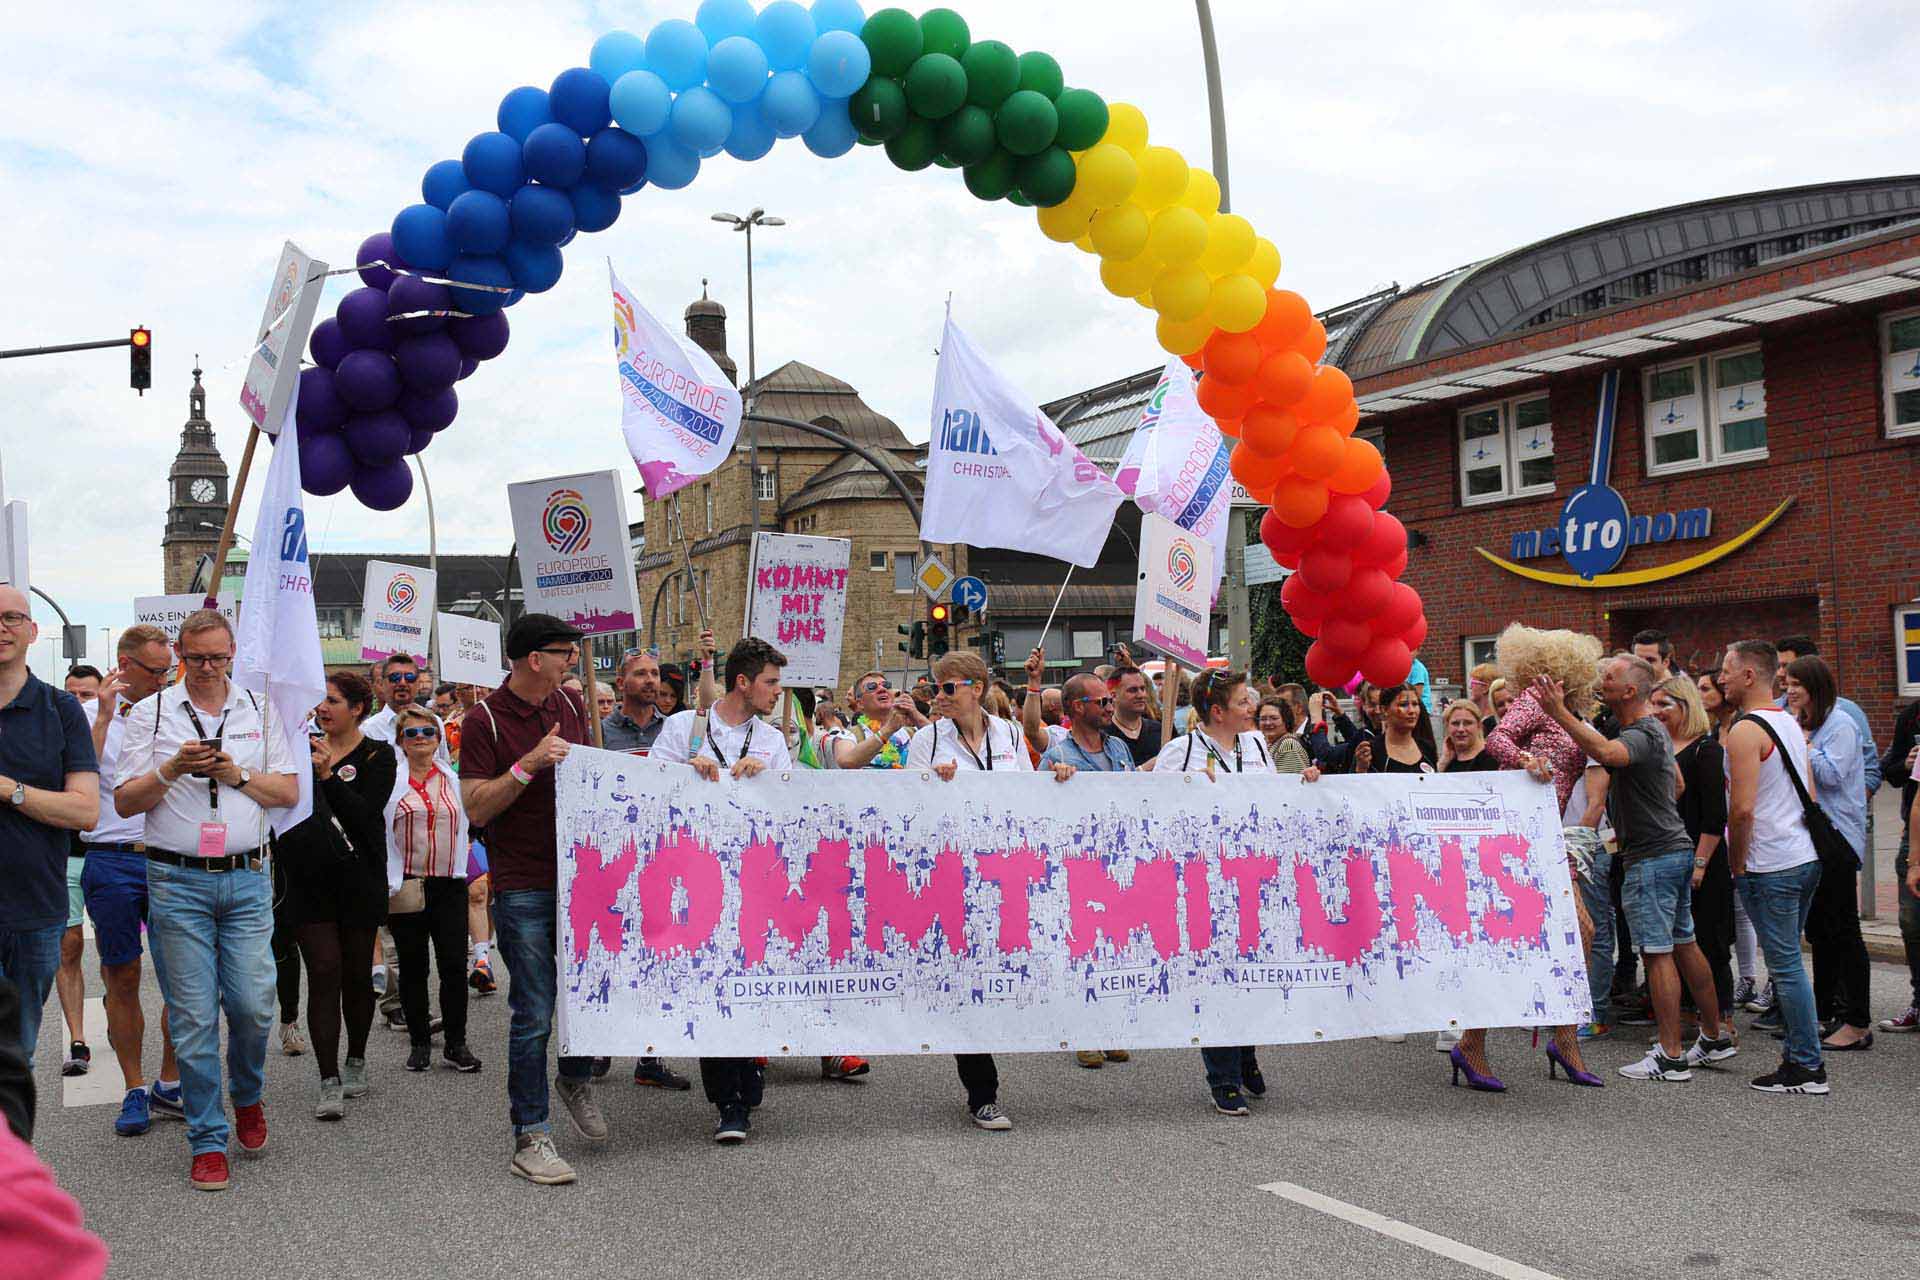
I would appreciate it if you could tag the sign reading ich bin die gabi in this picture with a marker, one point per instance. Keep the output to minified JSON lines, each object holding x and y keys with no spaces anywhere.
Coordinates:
{"x":576,"y":560}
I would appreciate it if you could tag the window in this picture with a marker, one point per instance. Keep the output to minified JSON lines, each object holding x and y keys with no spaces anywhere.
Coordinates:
{"x":333,"y":623}
{"x":1900,"y":367}
{"x":876,"y":561}
{"x":1506,"y":450}
{"x":1688,"y":428}
{"x":1906,"y":649}
{"x":904,"y":571}
{"x":706,"y":496}
{"x":763,"y":484}
{"x":1476,"y":650}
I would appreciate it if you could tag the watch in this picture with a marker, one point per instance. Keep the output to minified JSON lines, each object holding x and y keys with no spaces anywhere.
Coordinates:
{"x":19,"y":796}
{"x":245,"y":778}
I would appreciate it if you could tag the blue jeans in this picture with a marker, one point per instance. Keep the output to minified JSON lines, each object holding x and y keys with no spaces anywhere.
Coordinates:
{"x":524,"y":919}
{"x":211,"y":935}
{"x":28,"y":959}
{"x":1226,"y":1065}
{"x":1598,"y":900}
{"x":1778,"y":903}
{"x":1657,"y":896}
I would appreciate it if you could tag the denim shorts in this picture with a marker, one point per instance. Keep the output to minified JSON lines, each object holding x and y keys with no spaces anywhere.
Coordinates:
{"x":115,"y":882}
{"x":1657,"y":896}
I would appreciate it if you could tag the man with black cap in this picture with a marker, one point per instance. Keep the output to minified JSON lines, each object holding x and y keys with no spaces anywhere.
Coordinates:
{"x":509,"y":744}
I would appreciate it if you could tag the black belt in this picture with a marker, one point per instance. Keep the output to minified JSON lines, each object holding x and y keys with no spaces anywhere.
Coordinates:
{"x":227,"y":862}
{"x":134,"y":847}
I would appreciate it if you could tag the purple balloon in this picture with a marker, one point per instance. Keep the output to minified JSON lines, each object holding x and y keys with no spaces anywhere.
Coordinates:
{"x":367,"y":381}
{"x":481,"y":337}
{"x":384,"y":488}
{"x":412,"y":294}
{"x":363,"y":319}
{"x":429,"y":410}
{"x":326,"y":464}
{"x":467,"y":365}
{"x":327,"y":343}
{"x":377,"y":438}
{"x":428,"y":362}
{"x":419,"y":440}
{"x":377,"y":247}
{"x":319,"y":407}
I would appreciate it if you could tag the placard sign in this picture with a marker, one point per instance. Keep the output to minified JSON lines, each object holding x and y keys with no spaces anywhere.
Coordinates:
{"x":275,"y":367}
{"x":1175,"y":594}
{"x":469,"y":650}
{"x":576,"y":560}
{"x":797,"y":602}
{"x":396,"y":613}
{"x":168,"y":612}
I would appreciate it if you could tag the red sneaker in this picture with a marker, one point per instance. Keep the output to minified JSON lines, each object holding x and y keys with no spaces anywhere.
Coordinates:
{"x":209,"y":1171}
{"x":250,"y":1127}
{"x":843,"y":1067}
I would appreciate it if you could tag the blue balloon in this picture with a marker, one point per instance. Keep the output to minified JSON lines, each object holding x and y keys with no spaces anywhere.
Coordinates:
{"x":737,"y":69}
{"x":477,"y":223}
{"x":751,"y":136}
{"x":476,"y":269}
{"x":838,"y":15}
{"x":567,"y":239}
{"x":670,"y":165}
{"x":580,"y":101}
{"x":616,"y":159}
{"x":785,"y":31}
{"x":700,"y":119}
{"x":616,"y":53}
{"x":535,"y":267}
{"x":677,"y":53}
{"x":554,"y":154}
{"x":594,"y":207}
{"x":541,"y":215}
{"x":790,"y":104}
{"x":641,"y":102}
{"x":522,"y":111}
{"x":839,"y":64}
{"x":833,"y":133}
{"x":443,"y":182}
{"x":492,"y":163}
{"x":718,"y":19}
{"x":420,"y":238}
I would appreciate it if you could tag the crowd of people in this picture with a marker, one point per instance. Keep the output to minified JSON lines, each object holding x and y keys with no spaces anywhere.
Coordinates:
{"x":1712,"y":822}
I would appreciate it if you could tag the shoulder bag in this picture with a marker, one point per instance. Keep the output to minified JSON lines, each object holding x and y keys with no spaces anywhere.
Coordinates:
{"x":1835,"y":850}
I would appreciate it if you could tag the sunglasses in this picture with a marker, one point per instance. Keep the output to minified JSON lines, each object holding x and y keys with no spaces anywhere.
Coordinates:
{"x":874,"y":686}
{"x":402,"y":677}
{"x":419,"y":731}
{"x":158,"y":673}
{"x":1098,"y":702}
{"x":951,"y":687}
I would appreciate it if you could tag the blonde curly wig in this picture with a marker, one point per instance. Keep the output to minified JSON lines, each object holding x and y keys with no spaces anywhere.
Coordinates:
{"x":1570,"y":657}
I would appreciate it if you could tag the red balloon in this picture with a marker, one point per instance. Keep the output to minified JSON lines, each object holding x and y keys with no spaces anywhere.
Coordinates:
{"x":1346,"y":636}
{"x":1347,"y":523}
{"x":1416,"y":635}
{"x":1281,"y":537}
{"x":1327,"y":668}
{"x":1384,"y":537}
{"x":1402,"y":611}
{"x":1396,"y":566}
{"x":1367,"y":593}
{"x":1386,"y":662}
{"x":1221,"y":400}
{"x":1325,"y":568}
{"x":1308,"y":624}
{"x":1382,"y":490}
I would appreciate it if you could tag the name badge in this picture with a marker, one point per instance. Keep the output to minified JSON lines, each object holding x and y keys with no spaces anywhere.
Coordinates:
{"x":213,"y":840}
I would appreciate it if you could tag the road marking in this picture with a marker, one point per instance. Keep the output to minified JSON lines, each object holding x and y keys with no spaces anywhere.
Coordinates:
{"x":1465,"y":1254}
{"x":102,"y":1083}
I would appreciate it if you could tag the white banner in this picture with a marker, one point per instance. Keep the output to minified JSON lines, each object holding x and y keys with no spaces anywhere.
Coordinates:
{"x":469,"y":650}
{"x":396,"y":611}
{"x":576,"y":558}
{"x":677,"y":409}
{"x":168,"y":612}
{"x":274,"y":370}
{"x":797,"y":602}
{"x":1176,"y":463}
{"x":1173,"y":601}
{"x":863,"y":912}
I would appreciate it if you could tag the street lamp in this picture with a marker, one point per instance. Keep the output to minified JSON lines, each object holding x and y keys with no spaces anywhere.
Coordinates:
{"x":757,"y":218}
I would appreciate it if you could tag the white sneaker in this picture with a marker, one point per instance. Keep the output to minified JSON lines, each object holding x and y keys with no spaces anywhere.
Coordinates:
{"x":535,"y":1160}
{"x":1704,"y":1051}
{"x":1444,"y":1042}
{"x":292,"y":1042}
{"x":1658,"y":1066}
{"x":991,"y":1117}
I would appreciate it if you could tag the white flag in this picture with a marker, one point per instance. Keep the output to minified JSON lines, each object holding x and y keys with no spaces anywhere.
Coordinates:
{"x":1000,"y":474}
{"x":678,"y":411}
{"x":1176,"y":464}
{"x":279,"y":641}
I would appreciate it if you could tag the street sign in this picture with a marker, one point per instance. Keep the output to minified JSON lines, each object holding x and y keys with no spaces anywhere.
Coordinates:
{"x":934,"y":577}
{"x":969,"y":593}
{"x":73,"y":642}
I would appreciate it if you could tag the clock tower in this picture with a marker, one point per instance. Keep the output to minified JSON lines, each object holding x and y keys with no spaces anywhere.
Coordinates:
{"x":196,"y":495}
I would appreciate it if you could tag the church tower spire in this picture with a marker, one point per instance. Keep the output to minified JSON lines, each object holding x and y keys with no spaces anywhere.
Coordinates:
{"x":196,"y":494}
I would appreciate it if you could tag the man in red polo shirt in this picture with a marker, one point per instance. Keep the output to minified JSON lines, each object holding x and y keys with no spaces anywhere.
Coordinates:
{"x":509,"y":744}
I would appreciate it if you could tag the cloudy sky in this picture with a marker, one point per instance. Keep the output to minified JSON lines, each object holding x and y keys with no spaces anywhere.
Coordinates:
{"x":155,"y":160}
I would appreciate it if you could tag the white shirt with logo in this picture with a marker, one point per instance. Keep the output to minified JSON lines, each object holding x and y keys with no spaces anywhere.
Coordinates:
{"x":939,"y":743}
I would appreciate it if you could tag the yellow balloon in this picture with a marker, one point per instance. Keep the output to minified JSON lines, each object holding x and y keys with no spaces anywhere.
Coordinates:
{"x":1066,"y":221}
{"x":1264,"y":265}
{"x":1129,"y":278}
{"x":1202,"y":194}
{"x":1107,"y":175}
{"x":1085,"y":244}
{"x":1120,"y":233}
{"x":1182,"y":292}
{"x":1163,"y":176}
{"x":1230,"y":242}
{"x":1237,"y":303}
{"x":1183,"y":337}
{"x":1179,"y":235}
{"x":1126,"y":127}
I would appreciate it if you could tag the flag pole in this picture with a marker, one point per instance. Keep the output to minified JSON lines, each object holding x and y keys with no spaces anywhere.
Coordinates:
{"x":1058,"y":597}
{"x":226,"y":529}
{"x":1169,"y":694}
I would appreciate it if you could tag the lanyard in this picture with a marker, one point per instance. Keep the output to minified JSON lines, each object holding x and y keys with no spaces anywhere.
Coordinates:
{"x":986,"y":741}
{"x":213,"y":788}
{"x":746,"y":745}
{"x":1213,"y":751}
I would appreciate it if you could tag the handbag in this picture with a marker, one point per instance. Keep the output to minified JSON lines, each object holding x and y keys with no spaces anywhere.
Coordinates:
{"x":1835,"y":850}
{"x":410,"y":897}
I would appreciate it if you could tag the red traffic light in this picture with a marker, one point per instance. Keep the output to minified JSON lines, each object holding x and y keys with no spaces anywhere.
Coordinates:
{"x":141,"y":337}
{"x":939,"y":613}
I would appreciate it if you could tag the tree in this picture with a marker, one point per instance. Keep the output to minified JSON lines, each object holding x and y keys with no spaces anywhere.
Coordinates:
{"x":1279,"y":649}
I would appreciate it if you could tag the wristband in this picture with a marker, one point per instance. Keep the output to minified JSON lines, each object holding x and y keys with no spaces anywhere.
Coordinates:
{"x":520,"y":775}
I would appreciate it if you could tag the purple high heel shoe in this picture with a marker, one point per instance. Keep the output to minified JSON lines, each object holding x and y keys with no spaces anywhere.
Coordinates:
{"x":1574,"y":1074}
{"x":1485,"y":1084}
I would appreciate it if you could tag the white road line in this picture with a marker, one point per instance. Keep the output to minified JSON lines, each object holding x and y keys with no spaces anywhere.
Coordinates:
{"x":102,"y":1084}
{"x":1465,"y":1254}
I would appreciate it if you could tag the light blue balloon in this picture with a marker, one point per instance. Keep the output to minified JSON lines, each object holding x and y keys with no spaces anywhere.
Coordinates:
{"x":641,"y":103}
{"x":677,"y":53}
{"x":785,"y":31}
{"x":833,"y":133}
{"x":839,"y":64}
{"x":737,"y":69}
{"x":838,"y":15}
{"x":670,"y":165}
{"x":751,"y":137}
{"x":616,"y":53}
{"x":790,"y":104}
{"x":718,"y":19}
{"x":700,"y":119}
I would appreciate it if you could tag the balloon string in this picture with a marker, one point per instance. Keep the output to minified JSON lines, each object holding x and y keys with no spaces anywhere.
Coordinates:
{"x":397,"y":269}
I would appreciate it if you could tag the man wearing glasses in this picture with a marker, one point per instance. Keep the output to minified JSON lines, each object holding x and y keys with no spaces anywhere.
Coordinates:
{"x":198,"y":762}
{"x":399,"y":682}
{"x":882,"y":727}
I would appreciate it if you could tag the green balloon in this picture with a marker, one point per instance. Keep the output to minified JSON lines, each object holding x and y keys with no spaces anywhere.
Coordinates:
{"x":946,"y":162}
{"x":915,"y":146}
{"x":993,"y":177}
{"x":1083,"y":119}
{"x":1014,"y":197}
{"x":936,"y":86}
{"x":1040,"y":73}
{"x":967,"y":135}
{"x":1046,"y":179}
{"x":893,"y":41}
{"x":993,"y":72}
{"x":1026,"y":123}
{"x":944,"y":31}
{"x":879,"y":109}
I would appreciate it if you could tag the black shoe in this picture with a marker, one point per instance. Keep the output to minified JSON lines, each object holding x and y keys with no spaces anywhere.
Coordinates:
{"x":79,"y":1059}
{"x":652,"y":1071}
{"x":1858,"y":1046}
{"x":435,"y":1025}
{"x":459,"y":1057}
{"x":1791,"y":1077}
{"x":420,"y":1057}
{"x":396,"y":1020}
{"x":1230,"y":1102}
{"x":1770,"y":1021}
{"x":1251,"y":1080}
{"x":733,"y":1125}
{"x":601,"y":1066}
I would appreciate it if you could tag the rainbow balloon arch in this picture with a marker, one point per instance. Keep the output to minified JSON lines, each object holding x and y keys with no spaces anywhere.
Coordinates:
{"x":492,"y":224}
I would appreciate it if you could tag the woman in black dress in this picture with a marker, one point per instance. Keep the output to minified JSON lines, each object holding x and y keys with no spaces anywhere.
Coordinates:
{"x":1404,"y":743}
{"x":1465,"y":750}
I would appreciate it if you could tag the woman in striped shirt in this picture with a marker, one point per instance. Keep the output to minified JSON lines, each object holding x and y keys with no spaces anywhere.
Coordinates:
{"x":427,"y":842}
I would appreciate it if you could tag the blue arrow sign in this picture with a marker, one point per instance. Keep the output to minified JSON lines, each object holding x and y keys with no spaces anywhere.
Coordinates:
{"x":969,"y":593}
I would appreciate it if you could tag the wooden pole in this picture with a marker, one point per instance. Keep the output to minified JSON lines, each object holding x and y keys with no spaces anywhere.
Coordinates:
{"x":226,"y":529}
{"x":1169,"y":693}
{"x":588,"y":679}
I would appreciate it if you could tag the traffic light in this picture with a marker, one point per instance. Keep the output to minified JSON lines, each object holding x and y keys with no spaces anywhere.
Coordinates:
{"x":992,"y":646}
{"x":915,"y":644}
{"x":939,"y":630}
{"x":959,"y":614}
{"x":140,"y":359}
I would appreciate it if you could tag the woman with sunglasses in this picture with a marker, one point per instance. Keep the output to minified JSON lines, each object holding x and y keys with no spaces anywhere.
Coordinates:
{"x":427,"y":845}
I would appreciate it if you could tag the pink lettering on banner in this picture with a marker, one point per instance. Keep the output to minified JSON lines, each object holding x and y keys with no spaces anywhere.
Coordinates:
{"x":768,"y":901}
{"x":1097,"y":904}
{"x":1249,"y":874}
{"x":892,"y":903}
{"x":1445,"y":895}
{"x":1199,"y":908}
{"x":679,"y":863}
{"x":1016,"y":871}
{"x":1349,"y":939}
{"x":597,"y":884}
{"x":1524,"y":921}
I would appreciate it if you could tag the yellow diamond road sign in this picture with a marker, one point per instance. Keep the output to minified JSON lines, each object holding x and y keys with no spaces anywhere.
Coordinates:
{"x":934,"y":577}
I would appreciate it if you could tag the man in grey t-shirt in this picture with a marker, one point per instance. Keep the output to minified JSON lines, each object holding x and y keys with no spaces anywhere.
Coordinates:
{"x":1658,"y":892}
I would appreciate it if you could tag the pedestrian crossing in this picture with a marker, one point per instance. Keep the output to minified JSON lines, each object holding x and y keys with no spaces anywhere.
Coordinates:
{"x":101,"y":1085}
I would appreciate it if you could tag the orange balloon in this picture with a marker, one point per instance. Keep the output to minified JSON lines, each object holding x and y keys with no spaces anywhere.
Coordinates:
{"x":1233,"y":357}
{"x":1221,"y":399}
{"x":1283,"y":378}
{"x":1299,"y":502}
{"x":1263,"y":497}
{"x":1193,"y":360}
{"x":1313,"y":344}
{"x":1269,"y":430}
{"x":1251,"y":469}
{"x":1287,"y":317}
{"x":1360,"y":467}
{"x":1344,"y":420}
{"x":1317,"y":452}
{"x":1331,"y":391}
{"x":1230,"y":427}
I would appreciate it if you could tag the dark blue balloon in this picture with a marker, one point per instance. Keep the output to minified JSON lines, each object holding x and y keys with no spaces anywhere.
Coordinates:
{"x":367,"y":381}
{"x":594,"y":207}
{"x":492,"y":163}
{"x":480,"y":337}
{"x":428,"y":362}
{"x":478,"y":223}
{"x":522,"y":111}
{"x":410,"y":294}
{"x":384,"y":488}
{"x":566,"y":239}
{"x":326,"y":464}
{"x":515,"y":297}
{"x":616,"y":160}
{"x":535,"y":267}
{"x":363,"y":320}
{"x":327,"y":344}
{"x":579,"y":98}
{"x":419,"y":440}
{"x":377,"y":438}
{"x":420,"y":238}
{"x":319,"y":407}
{"x":479,"y":269}
{"x":443,"y":182}
{"x":430,"y":410}
{"x":541,"y":215}
{"x":467,"y":365}
{"x":376,"y":248}
{"x":554,"y":154}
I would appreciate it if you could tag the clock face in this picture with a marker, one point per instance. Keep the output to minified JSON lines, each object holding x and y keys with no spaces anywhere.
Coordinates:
{"x":201,"y":490}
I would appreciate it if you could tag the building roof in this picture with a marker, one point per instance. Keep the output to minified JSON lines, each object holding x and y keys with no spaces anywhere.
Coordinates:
{"x":852,"y":477}
{"x":1100,"y":421}
{"x":797,"y":390}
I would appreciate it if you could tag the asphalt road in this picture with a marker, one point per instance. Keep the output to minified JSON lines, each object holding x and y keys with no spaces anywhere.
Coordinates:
{"x":1123,"y":1171}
